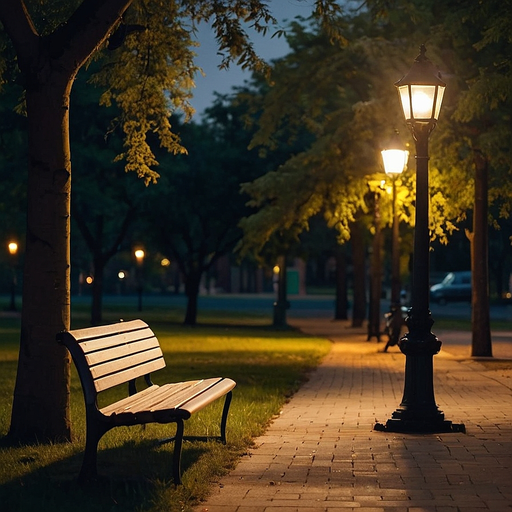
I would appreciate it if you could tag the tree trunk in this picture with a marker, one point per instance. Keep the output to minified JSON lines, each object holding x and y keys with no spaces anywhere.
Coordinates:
{"x":359,"y":266}
{"x":192,"y":282}
{"x":481,"y":344}
{"x":49,"y":65}
{"x":97,"y":291}
{"x":41,"y":396}
{"x":341,"y":284}
{"x":375,"y":277}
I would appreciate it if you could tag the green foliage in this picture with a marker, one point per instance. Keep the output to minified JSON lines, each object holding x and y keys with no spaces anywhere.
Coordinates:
{"x":149,"y":70}
{"x":145,"y":87}
{"x":338,"y":94}
{"x":333,"y":94}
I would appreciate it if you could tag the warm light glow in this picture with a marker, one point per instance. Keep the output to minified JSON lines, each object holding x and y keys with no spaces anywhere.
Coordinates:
{"x":13,"y":248}
{"x":276,"y":269}
{"x":423,"y":101}
{"x":121,"y":274}
{"x":395,"y":160}
{"x":89,"y":279}
{"x":165,"y":262}
{"x":139,"y":254}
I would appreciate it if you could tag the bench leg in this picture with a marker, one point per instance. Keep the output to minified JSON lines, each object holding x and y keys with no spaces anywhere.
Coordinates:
{"x":224,"y":419}
{"x":176,"y":459}
{"x":89,"y":470}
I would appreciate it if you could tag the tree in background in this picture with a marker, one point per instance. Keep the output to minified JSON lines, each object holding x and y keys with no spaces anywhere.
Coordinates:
{"x":329,"y":92}
{"x":104,"y":198}
{"x":193,"y":213}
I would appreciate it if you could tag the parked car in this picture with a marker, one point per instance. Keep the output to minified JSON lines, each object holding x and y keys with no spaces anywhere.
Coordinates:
{"x":456,"y":286}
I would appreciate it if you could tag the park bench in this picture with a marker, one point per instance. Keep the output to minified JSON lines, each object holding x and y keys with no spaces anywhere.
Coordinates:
{"x":110,"y":355}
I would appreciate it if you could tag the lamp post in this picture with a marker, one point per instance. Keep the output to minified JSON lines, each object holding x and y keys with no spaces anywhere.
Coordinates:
{"x":394,"y":159}
{"x":374,"y":190}
{"x":139,"y":256}
{"x":13,"y":250}
{"x":421,"y":92}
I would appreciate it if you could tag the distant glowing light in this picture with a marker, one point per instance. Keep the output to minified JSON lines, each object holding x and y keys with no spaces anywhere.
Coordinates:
{"x":13,"y":247}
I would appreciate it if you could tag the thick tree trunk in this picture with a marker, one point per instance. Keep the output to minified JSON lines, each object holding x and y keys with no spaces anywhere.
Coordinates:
{"x":49,"y":65}
{"x":341,"y":284}
{"x":41,"y":396}
{"x":481,"y":344}
{"x":359,"y":266}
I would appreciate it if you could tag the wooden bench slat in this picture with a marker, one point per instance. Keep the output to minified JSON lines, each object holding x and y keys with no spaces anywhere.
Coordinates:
{"x":144,"y":399}
{"x":113,"y":366}
{"x":176,"y":400}
{"x":115,"y":340}
{"x":128,"y":350}
{"x":126,"y":402}
{"x":110,"y":381}
{"x":172,"y":397}
{"x":197,"y":403}
{"x":107,"y":330}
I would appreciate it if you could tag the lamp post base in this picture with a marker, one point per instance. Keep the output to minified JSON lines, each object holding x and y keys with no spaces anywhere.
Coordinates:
{"x":280,"y":308}
{"x":401,"y":423}
{"x":418,"y":411}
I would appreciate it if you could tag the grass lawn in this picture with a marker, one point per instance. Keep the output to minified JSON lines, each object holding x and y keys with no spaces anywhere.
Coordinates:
{"x":267,"y":364}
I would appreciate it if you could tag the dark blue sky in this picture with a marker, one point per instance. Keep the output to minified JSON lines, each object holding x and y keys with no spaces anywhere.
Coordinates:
{"x":267,"y":47}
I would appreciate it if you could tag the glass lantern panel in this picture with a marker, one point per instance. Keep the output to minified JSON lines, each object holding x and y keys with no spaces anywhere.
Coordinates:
{"x":403,"y":90}
{"x":440,"y":94}
{"x":394,"y":160}
{"x":423,"y":97}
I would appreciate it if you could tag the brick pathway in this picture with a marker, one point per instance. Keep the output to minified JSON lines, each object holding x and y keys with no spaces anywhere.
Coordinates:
{"x":322,"y":455}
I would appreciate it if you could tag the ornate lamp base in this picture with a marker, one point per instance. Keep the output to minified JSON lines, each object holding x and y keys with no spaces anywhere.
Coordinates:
{"x":402,"y":421}
{"x":418,"y":411}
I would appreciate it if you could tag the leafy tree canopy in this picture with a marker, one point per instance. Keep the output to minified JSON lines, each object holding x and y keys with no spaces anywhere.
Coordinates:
{"x":148,"y":61}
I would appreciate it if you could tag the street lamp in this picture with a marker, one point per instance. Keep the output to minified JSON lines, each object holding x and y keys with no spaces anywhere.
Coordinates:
{"x":421,"y":92}
{"x":13,"y":250}
{"x":394,"y":159}
{"x":139,"y":256}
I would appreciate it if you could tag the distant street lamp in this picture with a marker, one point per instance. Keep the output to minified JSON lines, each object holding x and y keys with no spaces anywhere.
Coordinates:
{"x":280,"y":284}
{"x":139,"y":256}
{"x":394,"y":158}
{"x":421,"y":92}
{"x":13,"y":250}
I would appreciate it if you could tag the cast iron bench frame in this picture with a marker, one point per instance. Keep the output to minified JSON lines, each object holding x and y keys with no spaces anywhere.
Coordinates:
{"x":109,"y":355}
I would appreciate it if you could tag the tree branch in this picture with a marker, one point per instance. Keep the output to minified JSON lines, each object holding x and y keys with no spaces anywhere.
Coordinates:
{"x":87,"y":28}
{"x":19,"y":27}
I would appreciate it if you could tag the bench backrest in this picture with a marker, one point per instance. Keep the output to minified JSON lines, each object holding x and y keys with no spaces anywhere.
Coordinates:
{"x":106,"y":356}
